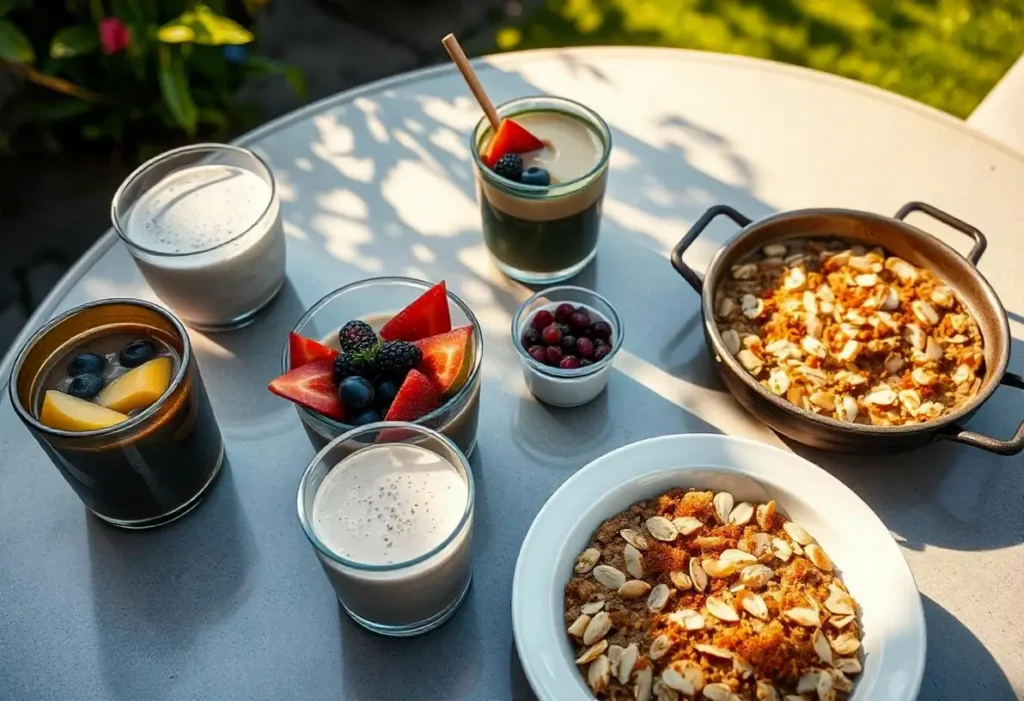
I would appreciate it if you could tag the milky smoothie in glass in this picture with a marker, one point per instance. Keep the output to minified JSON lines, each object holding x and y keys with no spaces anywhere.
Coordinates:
{"x":540,"y":234}
{"x":203,"y":224}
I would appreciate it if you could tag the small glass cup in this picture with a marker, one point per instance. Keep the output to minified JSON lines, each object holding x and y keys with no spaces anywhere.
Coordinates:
{"x":554,"y":385}
{"x":404,"y":598}
{"x":541,"y":234}
{"x":375,"y":301}
{"x":203,"y":224}
{"x":146,"y":471}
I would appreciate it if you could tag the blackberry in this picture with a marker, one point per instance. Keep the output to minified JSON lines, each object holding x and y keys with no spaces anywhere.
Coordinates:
{"x":357,"y":337}
{"x":354,"y":365}
{"x":396,"y":358}
{"x":510,"y":166}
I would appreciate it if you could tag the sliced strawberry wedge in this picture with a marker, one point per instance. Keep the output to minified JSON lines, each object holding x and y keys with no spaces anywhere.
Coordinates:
{"x":302,"y":351}
{"x":417,"y":397}
{"x":447,"y":358}
{"x":512,"y":137}
{"x":428,"y":315}
{"x":312,"y":386}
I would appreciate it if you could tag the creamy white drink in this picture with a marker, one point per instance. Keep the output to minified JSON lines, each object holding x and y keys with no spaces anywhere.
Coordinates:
{"x":209,"y":240}
{"x":383,"y":507}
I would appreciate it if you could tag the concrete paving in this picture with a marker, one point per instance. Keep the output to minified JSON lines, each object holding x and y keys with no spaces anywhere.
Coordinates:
{"x":52,"y":210}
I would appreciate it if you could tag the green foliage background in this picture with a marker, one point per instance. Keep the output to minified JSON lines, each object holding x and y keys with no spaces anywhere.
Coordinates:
{"x":945,"y":53}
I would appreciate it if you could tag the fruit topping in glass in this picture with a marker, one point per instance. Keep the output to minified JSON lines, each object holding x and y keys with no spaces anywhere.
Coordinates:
{"x":428,"y":315}
{"x":66,"y":413}
{"x":138,"y":388}
{"x":136,"y":353}
{"x":417,"y":397}
{"x":302,"y":350}
{"x":311,"y":385}
{"x":511,"y":137}
{"x":566,"y":337}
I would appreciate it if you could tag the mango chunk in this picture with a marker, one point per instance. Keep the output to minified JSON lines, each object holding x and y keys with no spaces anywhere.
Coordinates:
{"x":66,"y":413}
{"x":139,"y":387}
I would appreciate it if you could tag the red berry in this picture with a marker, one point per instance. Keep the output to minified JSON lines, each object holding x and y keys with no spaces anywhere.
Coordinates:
{"x":552,"y":335}
{"x":569,"y":362}
{"x":601,"y":351}
{"x":554,"y":354}
{"x":564,"y":312}
{"x":538,"y":353}
{"x":601,"y":329}
{"x":542,"y":319}
{"x":530,"y":338}
{"x":585,"y":347}
{"x":579,"y":321}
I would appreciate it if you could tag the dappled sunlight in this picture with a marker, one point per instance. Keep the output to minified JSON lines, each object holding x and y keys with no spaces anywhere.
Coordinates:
{"x":429,"y":204}
{"x":460,"y":114}
{"x":284,"y":186}
{"x":293,"y":231}
{"x":622,"y":159}
{"x":209,"y":345}
{"x":422,"y":253}
{"x":666,"y":231}
{"x":374,"y":125}
{"x":342,"y":238}
{"x":344,"y":203}
{"x":414,"y":126}
{"x":451,"y":142}
{"x":304,"y":164}
{"x":409,"y":142}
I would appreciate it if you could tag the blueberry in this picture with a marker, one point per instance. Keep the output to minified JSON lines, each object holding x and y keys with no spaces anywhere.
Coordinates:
{"x":136,"y":353}
{"x":535,"y":176}
{"x":86,"y":363}
{"x":85,"y":386}
{"x":366,"y":417}
{"x":385,"y":392}
{"x":356,"y":393}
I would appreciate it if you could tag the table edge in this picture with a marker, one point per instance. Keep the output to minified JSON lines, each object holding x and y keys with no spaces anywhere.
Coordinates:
{"x":108,"y":239}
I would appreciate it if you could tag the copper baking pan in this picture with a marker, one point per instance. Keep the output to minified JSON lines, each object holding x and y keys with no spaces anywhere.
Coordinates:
{"x":901,"y":239}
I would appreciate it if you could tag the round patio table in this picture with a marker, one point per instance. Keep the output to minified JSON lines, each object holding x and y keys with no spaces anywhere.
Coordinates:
{"x":230,"y":603}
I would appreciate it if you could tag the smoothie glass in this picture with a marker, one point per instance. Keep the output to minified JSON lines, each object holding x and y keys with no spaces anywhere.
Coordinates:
{"x":404,"y":598}
{"x":541,"y":234}
{"x":375,"y":301}
{"x":146,"y":471}
{"x":203,"y":224}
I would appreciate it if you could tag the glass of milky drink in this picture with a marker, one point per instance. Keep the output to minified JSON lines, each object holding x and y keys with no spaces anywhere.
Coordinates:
{"x":203,"y":224}
{"x":541,"y":219}
{"x":112,"y":393}
{"x":388,"y":508}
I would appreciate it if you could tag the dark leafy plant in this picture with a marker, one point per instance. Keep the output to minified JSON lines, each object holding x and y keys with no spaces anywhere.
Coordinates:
{"x":145,"y":72}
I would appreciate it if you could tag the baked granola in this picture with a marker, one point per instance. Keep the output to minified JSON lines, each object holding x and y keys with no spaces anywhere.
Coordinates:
{"x":691,"y":595}
{"x":853,"y":334}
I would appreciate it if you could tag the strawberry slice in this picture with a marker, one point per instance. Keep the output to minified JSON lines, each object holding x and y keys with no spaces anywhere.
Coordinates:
{"x":302,"y":350}
{"x":447,"y":358}
{"x":511,"y":137}
{"x":312,"y":386}
{"x":427,"y":316}
{"x":417,"y":397}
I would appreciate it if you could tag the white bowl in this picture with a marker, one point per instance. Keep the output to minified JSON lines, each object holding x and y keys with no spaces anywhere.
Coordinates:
{"x":867,"y":557}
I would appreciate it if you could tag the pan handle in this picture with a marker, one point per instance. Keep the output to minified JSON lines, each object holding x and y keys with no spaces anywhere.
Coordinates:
{"x":980,"y":242}
{"x":993,"y":445}
{"x":688,"y":273}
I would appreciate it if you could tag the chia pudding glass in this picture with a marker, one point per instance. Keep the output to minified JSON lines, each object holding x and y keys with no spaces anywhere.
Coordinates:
{"x":540,"y":234}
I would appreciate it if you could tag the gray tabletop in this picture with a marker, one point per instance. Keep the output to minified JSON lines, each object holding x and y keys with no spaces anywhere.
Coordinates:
{"x":230,"y":603}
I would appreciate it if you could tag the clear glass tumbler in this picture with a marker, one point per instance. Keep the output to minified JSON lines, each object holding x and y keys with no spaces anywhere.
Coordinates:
{"x":203,"y":224}
{"x":541,"y":234}
{"x":426,"y":586}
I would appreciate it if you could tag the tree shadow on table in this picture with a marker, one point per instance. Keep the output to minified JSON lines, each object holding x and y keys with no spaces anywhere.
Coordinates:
{"x":157,"y":591}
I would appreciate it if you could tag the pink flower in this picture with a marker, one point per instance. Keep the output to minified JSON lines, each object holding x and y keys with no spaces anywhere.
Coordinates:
{"x":113,"y":35}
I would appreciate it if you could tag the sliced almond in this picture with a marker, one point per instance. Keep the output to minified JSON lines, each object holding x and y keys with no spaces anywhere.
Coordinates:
{"x":658,"y":598}
{"x":736,"y":555}
{"x":808,"y":682}
{"x":731,"y":341}
{"x":680,"y":580}
{"x":691,"y":671}
{"x":592,"y":607}
{"x":797,"y":533}
{"x":697,"y":575}
{"x":756,"y":576}
{"x":766,"y":515}
{"x":598,"y":627}
{"x":817,"y":556}
{"x":587,"y":560}
{"x":758,"y":545}
{"x":840,"y":682}
{"x":592,"y":653}
{"x":840,"y":622}
{"x":802,"y":616}
{"x":721,"y":610}
{"x":849,"y":352}
{"x":599,"y":674}
{"x":924,"y":312}
{"x":579,"y":625}
{"x":846,"y":644}
{"x":709,"y":542}
{"x":726,"y":307}
{"x":774,"y":250}
{"x":635,"y":539}
{"x":741,"y":667}
{"x":671,"y":678}
{"x":755,"y":605}
{"x":626,"y":663}
{"x":659,"y":646}
{"x":634,"y":561}
{"x":866,"y":280}
{"x":766,"y":692}
{"x":609,"y":577}
{"x":795,"y":279}
{"x":741,"y":514}
{"x":813,"y":346}
{"x":719,"y":569}
{"x":614,"y":655}
{"x":752,"y":306}
{"x":634,"y":589}
{"x":781,"y":549}
{"x":821,"y":647}
{"x":747,"y":271}
{"x":723,"y":503}
{"x":849,"y":665}
{"x":713,"y":651}
{"x":687,"y":525}
{"x":661,"y":528}
{"x":687,"y":618}
{"x":846,"y":408}
{"x":643,"y":685}
{"x":778,"y":381}
{"x":814,"y":326}
{"x":719,"y":692}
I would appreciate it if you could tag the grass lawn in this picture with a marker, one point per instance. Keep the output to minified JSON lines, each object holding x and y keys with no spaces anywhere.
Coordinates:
{"x":945,"y":53}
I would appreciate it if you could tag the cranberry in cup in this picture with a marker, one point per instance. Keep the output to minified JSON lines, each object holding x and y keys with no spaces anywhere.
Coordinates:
{"x":567,"y":338}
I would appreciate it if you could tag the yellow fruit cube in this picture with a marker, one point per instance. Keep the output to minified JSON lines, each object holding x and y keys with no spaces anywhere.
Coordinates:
{"x":139,"y":387}
{"x":66,"y":413}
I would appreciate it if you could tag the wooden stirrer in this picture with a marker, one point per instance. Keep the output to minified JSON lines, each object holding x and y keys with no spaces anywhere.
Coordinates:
{"x":451,"y":44}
